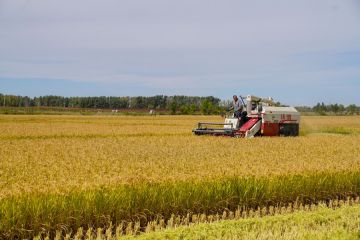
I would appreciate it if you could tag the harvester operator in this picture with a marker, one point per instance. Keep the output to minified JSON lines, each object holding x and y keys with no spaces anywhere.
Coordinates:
{"x":236,"y":106}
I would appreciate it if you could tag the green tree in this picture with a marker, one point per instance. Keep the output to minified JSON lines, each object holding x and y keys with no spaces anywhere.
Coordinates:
{"x":184,"y":110}
{"x":173,"y":107}
{"x":352,"y":109}
{"x":192,"y":108}
{"x":335,"y":108}
{"x":206,"y":107}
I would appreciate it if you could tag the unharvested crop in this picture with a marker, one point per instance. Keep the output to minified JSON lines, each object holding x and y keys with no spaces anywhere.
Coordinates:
{"x":79,"y":171}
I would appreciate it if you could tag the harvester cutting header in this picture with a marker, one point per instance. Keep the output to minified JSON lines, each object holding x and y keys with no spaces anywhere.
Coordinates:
{"x":257,"y":117}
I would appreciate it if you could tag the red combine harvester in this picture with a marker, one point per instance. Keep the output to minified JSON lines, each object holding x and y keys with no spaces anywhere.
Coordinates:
{"x":261,"y":118}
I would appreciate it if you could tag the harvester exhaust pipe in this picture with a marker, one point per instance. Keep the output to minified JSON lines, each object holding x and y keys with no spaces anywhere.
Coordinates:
{"x":242,"y":100}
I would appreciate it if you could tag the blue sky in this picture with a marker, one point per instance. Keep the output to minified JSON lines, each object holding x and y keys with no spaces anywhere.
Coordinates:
{"x":298,"y":52}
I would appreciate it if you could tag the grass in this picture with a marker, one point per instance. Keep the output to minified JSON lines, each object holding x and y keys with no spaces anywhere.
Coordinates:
{"x":70,"y":172}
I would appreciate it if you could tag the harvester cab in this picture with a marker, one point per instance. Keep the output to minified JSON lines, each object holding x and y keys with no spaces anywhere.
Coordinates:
{"x":261,"y":118}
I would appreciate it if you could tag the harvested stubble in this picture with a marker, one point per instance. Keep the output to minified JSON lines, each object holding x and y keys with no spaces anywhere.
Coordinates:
{"x":321,"y":223}
{"x":288,"y":222}
{"x":73,"y":172}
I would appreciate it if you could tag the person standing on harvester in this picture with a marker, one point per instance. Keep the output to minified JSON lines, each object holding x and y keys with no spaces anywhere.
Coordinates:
{"x":237,"y":107}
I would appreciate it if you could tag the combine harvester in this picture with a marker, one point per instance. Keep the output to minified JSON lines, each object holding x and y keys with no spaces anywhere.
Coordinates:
{"x":259,"y":119}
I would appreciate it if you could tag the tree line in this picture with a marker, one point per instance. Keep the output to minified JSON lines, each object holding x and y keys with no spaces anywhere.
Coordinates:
{"x":337,"y":109}
{"x":174,"y":104}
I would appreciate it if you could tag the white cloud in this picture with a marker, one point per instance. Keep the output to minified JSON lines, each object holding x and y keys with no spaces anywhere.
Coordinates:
{"x":171,"y":44}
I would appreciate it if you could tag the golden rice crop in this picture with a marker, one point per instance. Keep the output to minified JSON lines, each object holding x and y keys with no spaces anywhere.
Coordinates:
{"x":87,"y":170}
{"x":47,"y":153}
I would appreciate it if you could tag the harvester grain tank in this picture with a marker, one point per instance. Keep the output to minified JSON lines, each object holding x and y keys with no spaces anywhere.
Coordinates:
{"x":261,"y":118}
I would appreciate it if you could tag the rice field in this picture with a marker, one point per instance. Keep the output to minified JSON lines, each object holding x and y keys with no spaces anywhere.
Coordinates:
{"x":64,"y":173}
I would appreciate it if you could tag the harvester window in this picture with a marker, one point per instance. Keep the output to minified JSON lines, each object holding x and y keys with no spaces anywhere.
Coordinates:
{"x":253,"y":106}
